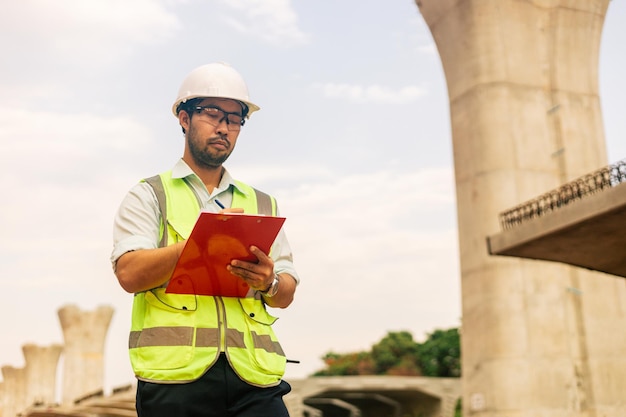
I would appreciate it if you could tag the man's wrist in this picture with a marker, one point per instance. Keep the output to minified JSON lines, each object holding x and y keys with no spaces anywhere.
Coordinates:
{"x":273,"y":288}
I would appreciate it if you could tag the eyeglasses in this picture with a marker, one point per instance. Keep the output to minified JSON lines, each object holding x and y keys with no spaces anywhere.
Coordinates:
{"x":214,"y":116}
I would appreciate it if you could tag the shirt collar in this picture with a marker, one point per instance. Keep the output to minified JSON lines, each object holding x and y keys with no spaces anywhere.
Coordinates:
{"x":182,"y":170}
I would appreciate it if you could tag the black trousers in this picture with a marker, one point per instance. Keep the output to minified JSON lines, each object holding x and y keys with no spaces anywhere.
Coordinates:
{"x":218,"y":393}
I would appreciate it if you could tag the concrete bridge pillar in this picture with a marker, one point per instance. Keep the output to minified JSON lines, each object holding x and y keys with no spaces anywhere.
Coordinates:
{"x":539,"y":339}
{"x":84,"y":333}
{"x":3,"y":398}
{"x":14,"y":399}
{"x":41,"y":373}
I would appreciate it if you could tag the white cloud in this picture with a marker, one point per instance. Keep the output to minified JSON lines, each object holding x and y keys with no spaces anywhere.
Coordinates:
{"x":47,"y":138}
{"x":370,"y":93}
{"x":259,"y":174}
{"x":428,"y":49}
{"x":274,"y":21}
{"x":55,"y":167}
{"x":94,"y":31}
{"x":376,"y":209}
{"x":421,"y":37}
{"x":62,"y":163}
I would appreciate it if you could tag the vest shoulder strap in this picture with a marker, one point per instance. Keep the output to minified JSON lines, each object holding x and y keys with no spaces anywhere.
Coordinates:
{"x":157,"y":185}
{"x":264,"y":203}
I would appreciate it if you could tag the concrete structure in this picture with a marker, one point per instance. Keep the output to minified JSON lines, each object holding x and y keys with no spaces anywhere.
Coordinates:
{"x":588,"y":231}
{"x":539,"y":338}
{"x":84,"y":333}
{"x":374,"y":396}
{"x":364,"y":396}
{"x":14,"y":399}
{"x":41,"y":373}
{"x":83,"y":373}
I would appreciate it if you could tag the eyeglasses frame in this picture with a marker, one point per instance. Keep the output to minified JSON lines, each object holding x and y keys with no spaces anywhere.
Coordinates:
{"x":199,"y":109}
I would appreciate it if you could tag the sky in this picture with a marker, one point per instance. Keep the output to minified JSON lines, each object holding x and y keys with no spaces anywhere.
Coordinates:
{"x":353,"y":139}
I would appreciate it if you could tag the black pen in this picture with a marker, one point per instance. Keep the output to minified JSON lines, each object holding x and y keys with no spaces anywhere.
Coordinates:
{"x":219,"y":203}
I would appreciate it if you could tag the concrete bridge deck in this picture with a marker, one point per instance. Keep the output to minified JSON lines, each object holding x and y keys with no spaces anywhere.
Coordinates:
{"x":589,"y":233}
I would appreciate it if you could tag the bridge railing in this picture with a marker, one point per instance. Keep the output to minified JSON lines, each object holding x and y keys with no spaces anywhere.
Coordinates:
{"x":604,"y":178}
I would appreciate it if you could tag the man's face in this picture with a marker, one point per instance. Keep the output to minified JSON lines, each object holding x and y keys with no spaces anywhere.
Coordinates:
{"x":210,"y":139}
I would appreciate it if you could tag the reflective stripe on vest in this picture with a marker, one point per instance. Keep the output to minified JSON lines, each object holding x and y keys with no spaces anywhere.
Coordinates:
{"x":175,"y":338}
{"x":178,"y":336}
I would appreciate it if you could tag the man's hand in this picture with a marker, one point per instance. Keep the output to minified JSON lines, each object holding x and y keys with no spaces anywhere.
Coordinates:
{"x":231,"y":210}
{"x":260,"y":275}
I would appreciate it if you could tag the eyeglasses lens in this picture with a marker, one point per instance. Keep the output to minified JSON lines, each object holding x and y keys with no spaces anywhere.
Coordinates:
{"x":215,"y":116}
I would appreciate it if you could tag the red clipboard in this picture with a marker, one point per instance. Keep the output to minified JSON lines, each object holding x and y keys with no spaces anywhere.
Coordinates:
{"x":217,"y":239}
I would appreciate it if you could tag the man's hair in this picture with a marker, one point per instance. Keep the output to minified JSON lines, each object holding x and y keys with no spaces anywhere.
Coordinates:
{"x":187,"y":108}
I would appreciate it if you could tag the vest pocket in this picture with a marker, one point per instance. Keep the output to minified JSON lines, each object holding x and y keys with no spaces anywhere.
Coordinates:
{"x":255,"y":311}
{"x":167,"y":338}
{"x":174,"y":303}
{"x":263,"y":348}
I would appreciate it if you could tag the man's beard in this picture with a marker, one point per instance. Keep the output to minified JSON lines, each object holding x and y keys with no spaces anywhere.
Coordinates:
{"x":200,"y":151}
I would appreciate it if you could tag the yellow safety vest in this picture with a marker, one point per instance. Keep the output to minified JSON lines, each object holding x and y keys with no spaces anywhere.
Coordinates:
{"x":176,"y":338}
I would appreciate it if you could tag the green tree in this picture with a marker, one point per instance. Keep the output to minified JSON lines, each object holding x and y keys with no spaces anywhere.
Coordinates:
{"x":440,"y":354}
{"x":359,"y":363}
{"x":398,"y":354}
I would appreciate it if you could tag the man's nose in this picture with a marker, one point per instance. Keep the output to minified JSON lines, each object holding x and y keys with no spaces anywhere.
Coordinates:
{"x":222,"y":124}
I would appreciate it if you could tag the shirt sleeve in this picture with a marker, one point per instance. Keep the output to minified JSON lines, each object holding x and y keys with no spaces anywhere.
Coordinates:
{"x":282,"y":256}
{"x":137,"y":222}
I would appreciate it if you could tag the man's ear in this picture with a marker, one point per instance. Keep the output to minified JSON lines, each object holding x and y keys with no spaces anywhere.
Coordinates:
{"x":184,"y":119}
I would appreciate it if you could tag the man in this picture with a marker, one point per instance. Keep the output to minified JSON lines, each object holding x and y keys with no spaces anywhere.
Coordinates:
{"x":197,"y":355}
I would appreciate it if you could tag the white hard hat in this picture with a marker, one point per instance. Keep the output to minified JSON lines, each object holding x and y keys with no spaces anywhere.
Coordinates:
{"x":214,"y":80}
